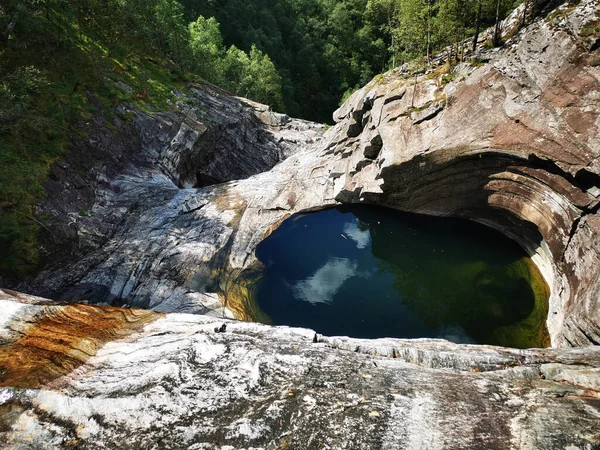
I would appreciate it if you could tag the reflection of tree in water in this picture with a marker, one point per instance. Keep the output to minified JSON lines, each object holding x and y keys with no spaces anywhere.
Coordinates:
{"x":494,"y":303}
{"x":475,"y":296}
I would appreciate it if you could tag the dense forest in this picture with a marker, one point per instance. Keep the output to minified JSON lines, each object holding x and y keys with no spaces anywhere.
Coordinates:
{"x":325,"y":49}
{"x":61,"y":62}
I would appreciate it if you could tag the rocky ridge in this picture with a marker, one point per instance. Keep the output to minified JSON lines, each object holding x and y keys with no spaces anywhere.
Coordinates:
{"x":147,"y":175}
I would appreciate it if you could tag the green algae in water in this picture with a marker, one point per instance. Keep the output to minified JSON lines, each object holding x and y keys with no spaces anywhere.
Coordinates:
{"x":372,"y":272}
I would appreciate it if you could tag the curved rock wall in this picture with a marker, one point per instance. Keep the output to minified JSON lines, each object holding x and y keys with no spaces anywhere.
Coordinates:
{"x":512,"y":143}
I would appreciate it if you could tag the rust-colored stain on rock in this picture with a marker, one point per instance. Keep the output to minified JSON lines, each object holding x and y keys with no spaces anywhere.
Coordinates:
{"x":63,"y":339}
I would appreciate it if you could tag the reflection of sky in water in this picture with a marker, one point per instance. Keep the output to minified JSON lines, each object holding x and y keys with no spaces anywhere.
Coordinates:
{"x":362,"y":238}
{"x":326,"y":281}
{"x":379,"y":273}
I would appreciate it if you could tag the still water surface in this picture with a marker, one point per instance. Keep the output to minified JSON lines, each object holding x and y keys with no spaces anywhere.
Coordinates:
{"x":373,"y":272}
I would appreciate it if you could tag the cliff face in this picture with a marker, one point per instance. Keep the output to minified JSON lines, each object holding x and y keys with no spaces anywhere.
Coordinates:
{"x":143,"y":170}
{"x":512,"y":142}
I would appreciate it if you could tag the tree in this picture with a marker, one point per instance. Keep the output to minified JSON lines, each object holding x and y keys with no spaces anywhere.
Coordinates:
{"x":253,"y":76}
{"x":477,"y":24}
{"x":174,"y":36}
{"x":264,"y":80}
{"x":207,"y":48}
{"x":382,"y":14}
{"x":497,"y":33}
{"x":412,"y":31}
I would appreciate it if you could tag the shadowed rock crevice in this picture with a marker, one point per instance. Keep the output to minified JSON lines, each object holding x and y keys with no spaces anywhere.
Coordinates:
{"x":583,"y":179}
{"x":222,"y":138}
{"x":205,"y":158}
{"x":462,"y":186}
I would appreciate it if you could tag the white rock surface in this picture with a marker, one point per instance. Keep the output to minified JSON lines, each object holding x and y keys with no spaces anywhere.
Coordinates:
{"x":193,"y":382}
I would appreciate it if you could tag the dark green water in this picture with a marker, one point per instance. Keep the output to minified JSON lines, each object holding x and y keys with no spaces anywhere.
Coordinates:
{"x":373,"y":272}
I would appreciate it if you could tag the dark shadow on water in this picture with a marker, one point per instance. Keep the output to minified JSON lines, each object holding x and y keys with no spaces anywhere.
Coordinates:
{"x":373,"y":272}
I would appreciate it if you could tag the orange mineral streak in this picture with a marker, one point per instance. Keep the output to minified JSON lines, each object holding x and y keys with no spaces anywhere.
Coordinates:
{"x":64,"y":338}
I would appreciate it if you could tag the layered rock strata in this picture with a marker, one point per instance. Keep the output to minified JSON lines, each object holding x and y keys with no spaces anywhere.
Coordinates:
{"x":125,"y":379}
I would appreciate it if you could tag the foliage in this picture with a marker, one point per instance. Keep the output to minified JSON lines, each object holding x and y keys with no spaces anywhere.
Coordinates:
{"x":323,"y":49}
{"x":590,"y":29}
{"x":206,"y":45}
{"x":250,"y":75}
{"x":62,"y":62}
{"x":319,"y":48}
{"x":257,"y":77}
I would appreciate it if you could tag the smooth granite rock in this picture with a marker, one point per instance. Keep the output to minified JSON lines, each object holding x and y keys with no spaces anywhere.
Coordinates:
{"x":103,"y":377}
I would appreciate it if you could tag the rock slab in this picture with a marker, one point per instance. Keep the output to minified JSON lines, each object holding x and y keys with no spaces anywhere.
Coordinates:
{"x":179,"y":381}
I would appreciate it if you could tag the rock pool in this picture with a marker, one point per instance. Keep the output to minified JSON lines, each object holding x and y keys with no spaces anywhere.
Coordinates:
{"x":374,"y":272}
